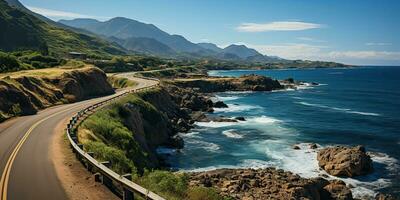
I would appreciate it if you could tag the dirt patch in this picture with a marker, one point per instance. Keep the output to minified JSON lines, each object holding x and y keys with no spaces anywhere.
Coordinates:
{"x":77,"y":182}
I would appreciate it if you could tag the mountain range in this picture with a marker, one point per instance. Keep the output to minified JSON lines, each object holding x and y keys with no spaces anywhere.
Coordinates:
{"x":148,"y":38}
{"x":24,"y":29}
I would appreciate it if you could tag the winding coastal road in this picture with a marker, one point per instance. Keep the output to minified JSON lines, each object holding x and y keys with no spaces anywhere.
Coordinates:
{"x":26,"y":167}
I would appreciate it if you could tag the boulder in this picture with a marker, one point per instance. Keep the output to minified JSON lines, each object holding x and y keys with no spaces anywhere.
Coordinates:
{"x":313,"y":146}
{"x":220,"y":104}
{"x":345,"y":161}
{"x":295,"y":147}
{"x":268,"y":183}
{"x":337,"y":189}
{"x":381,"y":196}
{"x":224,"y":120}
{"x":240,"y":118}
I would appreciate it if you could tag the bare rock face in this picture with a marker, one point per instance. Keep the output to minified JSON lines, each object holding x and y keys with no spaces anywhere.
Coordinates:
{"x":345,"y":161}
{"x":269,"y":183}
{"x":381,"y":196}
{"x":337,"y":190}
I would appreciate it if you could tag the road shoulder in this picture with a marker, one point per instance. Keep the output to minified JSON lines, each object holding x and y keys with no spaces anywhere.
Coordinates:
{"x":77,"y":182}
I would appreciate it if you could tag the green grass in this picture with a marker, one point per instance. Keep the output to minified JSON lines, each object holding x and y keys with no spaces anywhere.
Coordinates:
{"x":168,"y":185}
{"x":118,"y":82}
{"x":170,"y":72}
{"x":108,"y":127}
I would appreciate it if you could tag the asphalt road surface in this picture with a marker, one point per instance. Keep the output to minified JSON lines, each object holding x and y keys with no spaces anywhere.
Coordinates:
{"x":26,"y":168}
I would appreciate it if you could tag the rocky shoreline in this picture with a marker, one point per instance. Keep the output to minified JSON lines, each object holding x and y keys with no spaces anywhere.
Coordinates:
{"x":194,"y":98}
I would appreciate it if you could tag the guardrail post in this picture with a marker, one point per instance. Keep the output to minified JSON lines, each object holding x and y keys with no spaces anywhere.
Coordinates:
{"x":97,"y":177}
{"x":107,"y":181}
{"x":127,"y":194}
{"x":127,"y":176}
{"x":106,"y":163}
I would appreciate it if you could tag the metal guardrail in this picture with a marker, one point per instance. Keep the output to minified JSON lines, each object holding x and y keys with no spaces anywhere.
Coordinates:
{"x":119,"y":184}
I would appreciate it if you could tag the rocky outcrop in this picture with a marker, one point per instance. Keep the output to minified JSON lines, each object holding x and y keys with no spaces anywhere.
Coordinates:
{"x":25,"y":95}
{"x":243,"y":83}
{"x":345,"y":161}
{"x":269,"y":183}
{"x":381,"y":196}
{"x":82,"y":84}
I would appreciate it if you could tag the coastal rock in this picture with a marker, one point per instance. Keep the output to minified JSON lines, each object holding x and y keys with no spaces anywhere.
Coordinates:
{"x":220,"y":104}
{"x":295,"y":147}
{"x":240,"y":118}
{"x":268,"y":183}
{"x":337,"y":189}
{"x":250,"y":82}
{"x":25,"y":95}
{"x":345,"y":161}
{"x":381,"y":196}
{"x":313,"y":146}
{"x":224,"y":120}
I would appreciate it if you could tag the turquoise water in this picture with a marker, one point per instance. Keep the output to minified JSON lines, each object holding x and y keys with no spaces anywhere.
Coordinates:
{"x":350,"y":107}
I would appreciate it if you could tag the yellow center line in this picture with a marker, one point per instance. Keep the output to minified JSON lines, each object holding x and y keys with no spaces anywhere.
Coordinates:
{"x":7,"y":169}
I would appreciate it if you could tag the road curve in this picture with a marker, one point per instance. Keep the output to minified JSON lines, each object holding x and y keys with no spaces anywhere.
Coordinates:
{"x":26,"y":168}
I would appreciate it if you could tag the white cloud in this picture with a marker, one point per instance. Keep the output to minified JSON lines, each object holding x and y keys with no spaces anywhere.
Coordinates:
{"x":380,"y":55}
{"x":290,"y":50}
{"x":377,"y":44}
{"x":309,"y":39}
{"x":325,"y":53}
{"x":277,"y":26}
{"x":57,"y":14}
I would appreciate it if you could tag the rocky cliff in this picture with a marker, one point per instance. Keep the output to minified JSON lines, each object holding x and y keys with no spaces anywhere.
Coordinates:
{"x":269,"y":183}
{"x":242,"y":83}
{"x":25,"y":95}
{"x":135,"y":127}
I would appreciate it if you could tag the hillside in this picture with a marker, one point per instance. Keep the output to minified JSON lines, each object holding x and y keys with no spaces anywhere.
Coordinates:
{"x":144,"y":45}
{"x":241,"y":50}
{"x":22,"y":31}
{"x":26,"y":92}
{"x":125,"y":28}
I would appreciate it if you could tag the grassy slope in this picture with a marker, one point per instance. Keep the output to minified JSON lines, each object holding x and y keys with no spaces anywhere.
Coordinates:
{"x":21,"y":31}
{"x":105,"y":134}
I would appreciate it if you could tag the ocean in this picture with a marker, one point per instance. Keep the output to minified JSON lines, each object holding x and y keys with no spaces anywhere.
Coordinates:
{"x":356,"y":106}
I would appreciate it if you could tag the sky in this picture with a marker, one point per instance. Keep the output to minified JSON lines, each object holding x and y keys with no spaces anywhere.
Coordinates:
{"x":361,"y":32}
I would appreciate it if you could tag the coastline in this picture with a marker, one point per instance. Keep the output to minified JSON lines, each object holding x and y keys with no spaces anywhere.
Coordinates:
{"x":358,"y":193}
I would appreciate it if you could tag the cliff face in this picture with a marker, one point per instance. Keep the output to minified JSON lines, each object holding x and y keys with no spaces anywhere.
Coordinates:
{"x":243,"y":83}
{"x":134,"y":126}
{"x":25,"y":95}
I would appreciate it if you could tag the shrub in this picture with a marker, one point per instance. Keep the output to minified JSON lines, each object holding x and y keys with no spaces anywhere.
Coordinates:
{"x":165,"y":183}
{"x":203,"y":193}
{"x":8,"y":62}
{"x":119,"y":162}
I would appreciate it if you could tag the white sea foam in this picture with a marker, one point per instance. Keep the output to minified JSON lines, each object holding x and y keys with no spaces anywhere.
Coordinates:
{"x":293,"y":160}
{"x":364,"y":113}
{"x":193,"y":134}
{"x":208,"y":146}
{"x":227,"y":98}
{"x":263,"y":120}
{"x":232,"y":133}
{"x":346,"y":110}
{"x":237,"y":108}
{"x":299,"y":98}
{"x":304,"y":162}
{"x":215,"y":124}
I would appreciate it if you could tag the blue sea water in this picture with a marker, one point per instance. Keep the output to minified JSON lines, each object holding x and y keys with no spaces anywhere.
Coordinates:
{"x":357,"y":106}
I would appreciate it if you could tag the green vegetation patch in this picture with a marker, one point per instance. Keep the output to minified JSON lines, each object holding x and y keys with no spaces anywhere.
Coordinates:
{"x":114,"y":142}
{"x":107,"y":125}
{"x":118,"y":82}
